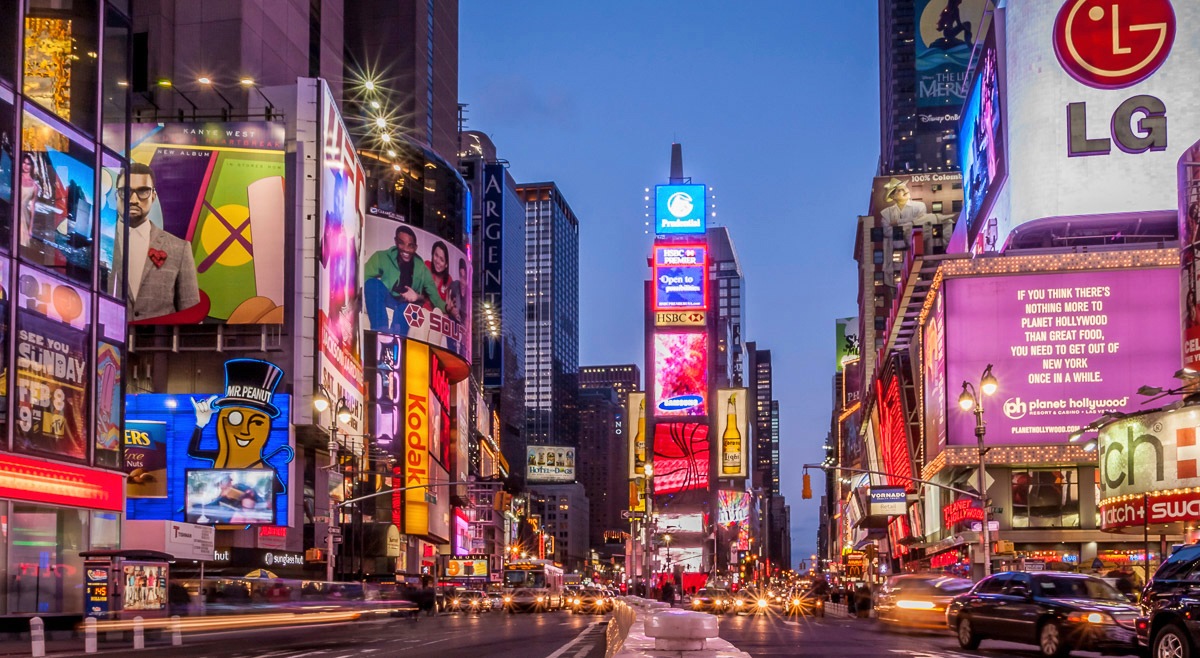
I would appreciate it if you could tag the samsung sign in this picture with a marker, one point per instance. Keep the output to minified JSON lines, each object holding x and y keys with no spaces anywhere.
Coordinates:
{"x":679,"y":209}
{"x":1100,"y":99}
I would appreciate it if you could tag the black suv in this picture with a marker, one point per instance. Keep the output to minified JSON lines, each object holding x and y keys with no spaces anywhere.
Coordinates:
{"x":1170,"y":607}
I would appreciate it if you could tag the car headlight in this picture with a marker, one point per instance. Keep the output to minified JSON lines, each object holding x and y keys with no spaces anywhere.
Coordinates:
{"x":576,"y":601}
{"x":696,"y":602}
{"x":508,"y":599}
{"x":540,"y":599}
{"x":474,"y":602}
{"x":796,"y":602}
{"x":456,"y":601}
{"x":915,"y":605}
{"x":1091,"y":618}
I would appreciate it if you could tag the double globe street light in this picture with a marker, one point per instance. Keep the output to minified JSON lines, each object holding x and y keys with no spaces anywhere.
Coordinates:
{"x":341,"y":414}
{"x":972,"y":399}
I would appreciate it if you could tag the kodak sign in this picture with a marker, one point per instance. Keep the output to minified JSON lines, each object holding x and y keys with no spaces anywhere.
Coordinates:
{"x":416,"y":437}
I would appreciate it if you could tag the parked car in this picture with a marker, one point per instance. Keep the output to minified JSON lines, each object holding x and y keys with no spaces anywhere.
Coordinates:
{"x":918,"y":600}
{"x":1169,"y":607}
{"x":715,"y":601}
{"x":1056,"y":611}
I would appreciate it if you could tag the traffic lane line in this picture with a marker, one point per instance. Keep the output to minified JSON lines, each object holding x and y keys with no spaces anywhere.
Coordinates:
{"x":579,"y":638}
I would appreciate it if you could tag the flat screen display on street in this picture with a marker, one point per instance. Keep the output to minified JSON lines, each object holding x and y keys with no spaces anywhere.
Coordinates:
{"x":680,"y":374}
{"x":681,"y":452}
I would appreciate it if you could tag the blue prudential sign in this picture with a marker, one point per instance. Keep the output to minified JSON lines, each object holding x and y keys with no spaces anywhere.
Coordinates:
{"x":680,"y":209}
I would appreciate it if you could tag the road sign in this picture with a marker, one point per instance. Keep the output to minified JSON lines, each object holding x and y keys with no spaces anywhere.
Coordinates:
{"x":630,"y":514}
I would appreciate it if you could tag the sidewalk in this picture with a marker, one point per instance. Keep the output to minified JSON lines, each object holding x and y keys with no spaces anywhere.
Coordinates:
{"x":638,"y":645}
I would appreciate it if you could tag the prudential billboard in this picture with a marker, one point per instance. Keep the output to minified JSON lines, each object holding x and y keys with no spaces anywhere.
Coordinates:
{"x":679,"y":210}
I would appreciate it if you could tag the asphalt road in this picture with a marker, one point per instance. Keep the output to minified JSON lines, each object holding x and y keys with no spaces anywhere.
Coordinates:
{"x":557,"y":634}
{"x":773,"y":635}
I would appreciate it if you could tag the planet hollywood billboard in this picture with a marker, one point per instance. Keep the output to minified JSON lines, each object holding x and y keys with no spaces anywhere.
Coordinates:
{"x":1066,"y":347}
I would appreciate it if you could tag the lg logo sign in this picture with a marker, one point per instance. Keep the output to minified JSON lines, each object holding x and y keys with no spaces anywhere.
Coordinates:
{"x":1113,"y":44}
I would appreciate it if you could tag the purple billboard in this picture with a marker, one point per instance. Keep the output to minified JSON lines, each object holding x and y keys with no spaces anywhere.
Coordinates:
{"x":1066,"y":348}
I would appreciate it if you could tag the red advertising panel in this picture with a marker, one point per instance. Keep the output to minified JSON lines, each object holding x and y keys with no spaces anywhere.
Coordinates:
{"x":1189,"y":240}
{"x":1066,"y":347}
{"x":681,"y":374}
{"x":22,"y":478}
{"x":680,"y":457}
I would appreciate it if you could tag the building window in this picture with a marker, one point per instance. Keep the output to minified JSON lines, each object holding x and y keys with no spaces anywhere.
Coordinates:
{"x":1045,"y":498}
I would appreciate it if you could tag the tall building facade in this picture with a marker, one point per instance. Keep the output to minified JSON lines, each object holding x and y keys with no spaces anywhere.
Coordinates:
{"x":563,"y":509}
{"x":551,"y":315}
{"x":410,"y":49}
{"x":499,"y":253}
{"x":602,"y":461}
{"x":725,"y":270}
{"x":920,"y":85}
{"x":63,"y":141}
{"x":623,"y":379}
{"x":765,"y":472}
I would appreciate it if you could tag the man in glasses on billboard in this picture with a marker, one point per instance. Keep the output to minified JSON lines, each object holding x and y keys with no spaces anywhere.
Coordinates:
{"x":162,"y":270}
{"x":393,"y":278}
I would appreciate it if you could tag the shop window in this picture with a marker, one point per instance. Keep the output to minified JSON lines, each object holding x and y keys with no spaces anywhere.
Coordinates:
{"x":57,"y":195}
{"x":45,"y":571}
{"x":1045,"y":498}
{"x":62,"y":58}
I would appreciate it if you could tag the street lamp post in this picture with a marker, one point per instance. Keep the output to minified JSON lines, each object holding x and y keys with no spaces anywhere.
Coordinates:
{"x":972,"y":398}
{"x":649,"y":571}
{"x":341,"y":413}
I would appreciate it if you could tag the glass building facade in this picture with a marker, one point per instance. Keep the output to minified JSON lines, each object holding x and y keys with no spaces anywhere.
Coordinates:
{"x":551,"y":315}
{"x":64,"y":72}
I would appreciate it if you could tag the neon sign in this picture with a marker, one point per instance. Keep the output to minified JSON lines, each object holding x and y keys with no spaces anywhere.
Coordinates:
{"x":960,"y":511}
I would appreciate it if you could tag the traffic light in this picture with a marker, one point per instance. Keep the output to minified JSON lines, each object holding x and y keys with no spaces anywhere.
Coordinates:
{"x":807,"y":492}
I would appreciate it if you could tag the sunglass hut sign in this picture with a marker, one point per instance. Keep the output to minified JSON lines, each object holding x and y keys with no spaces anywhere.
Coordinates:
{"x":1112,"y":45}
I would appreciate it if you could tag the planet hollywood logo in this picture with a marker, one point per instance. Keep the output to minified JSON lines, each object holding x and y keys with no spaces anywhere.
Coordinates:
{"x":1015,"y":409}
{"x":1112,"y":44}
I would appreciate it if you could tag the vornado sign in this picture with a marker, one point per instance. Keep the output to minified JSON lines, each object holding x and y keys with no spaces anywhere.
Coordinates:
{"x":1153,"y":456}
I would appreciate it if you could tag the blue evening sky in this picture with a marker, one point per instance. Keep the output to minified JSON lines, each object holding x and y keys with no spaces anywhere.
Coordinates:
{"x":776,"y":103}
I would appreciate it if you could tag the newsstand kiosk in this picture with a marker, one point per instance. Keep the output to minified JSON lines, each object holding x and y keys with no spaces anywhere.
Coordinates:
{"x":123,"y":584}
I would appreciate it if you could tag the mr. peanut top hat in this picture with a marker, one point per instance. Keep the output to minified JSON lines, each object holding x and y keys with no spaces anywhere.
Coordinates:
{"x":250,"y":383}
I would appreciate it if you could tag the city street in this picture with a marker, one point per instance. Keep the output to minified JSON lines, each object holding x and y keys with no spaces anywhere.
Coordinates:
{"x":772,"y":635}
{"x":494,"y":634}
{"x":552,"y":635}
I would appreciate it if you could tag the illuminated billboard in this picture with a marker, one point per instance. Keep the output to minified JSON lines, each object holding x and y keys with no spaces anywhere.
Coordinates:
{"x":732,"y":507}
{"x":908,"y":199}
{"x":416,"y":285}
{"x":933,"y":376}
{"x":681,"y":374}
{"x":1065,"y":347}
{"x":417,"y":421}
{"x":1189,"y":241}
{"x":637,"y":438}
{"x":733,"y":429}
{"x":550,"y":464}
{"x":1081,"y":138}
{"x":680,"y":210}
{"x":680,"y":277}
{"x":206,"y":438}
{"x":1166,"y":466}
{"x":981,"y":150}
{"x":340,"y":227}
{"x":846,"y":341}
{"x":208,"y":222}
{"x":681,"y":453}
{"x":945,"y":34}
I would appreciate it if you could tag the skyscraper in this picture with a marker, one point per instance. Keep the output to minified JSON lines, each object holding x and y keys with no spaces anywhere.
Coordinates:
{"x":623,"y":378}
{"x":726,"y":271}
{"x":765,"y":475}
{"x":920,"y":86}
{"x":410,"y":47}
{"x":551,"y":315}
{"x":499,"y":254}
{"x":602,"y":463}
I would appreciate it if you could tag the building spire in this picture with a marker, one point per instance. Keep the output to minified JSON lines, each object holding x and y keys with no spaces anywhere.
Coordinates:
{"x":677,"y":163}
